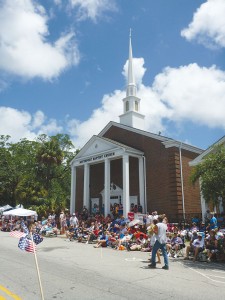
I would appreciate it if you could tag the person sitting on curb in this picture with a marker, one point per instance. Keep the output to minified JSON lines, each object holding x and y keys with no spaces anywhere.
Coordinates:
{"x":124,"y":240}
{"x":139,"y":243}
{"x":211,"y":245}
{"x":102,"y":240}
{"x":70,"y":232}
{"x":176,"y":243}
{"x":196,"y":246}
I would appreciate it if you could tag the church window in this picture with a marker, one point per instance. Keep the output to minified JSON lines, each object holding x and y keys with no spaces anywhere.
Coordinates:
{"x":127,"y":105}
{"x":136,"y":105}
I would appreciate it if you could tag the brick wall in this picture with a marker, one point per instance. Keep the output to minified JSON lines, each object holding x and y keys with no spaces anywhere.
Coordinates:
{"x":163,"y":177}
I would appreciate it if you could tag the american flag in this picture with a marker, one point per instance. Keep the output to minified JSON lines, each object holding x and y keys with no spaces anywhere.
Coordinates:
{"x":24,"y":227}
{"x":17,"y":234}
{"x":37,"y":238}
{"x":26,"y":244}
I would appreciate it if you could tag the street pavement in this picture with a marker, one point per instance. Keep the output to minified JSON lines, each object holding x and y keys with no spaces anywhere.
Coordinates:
{"x":72,"y":270}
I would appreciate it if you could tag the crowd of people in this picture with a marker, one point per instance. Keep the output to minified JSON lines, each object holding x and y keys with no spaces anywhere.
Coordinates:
{"x":201,"y":241}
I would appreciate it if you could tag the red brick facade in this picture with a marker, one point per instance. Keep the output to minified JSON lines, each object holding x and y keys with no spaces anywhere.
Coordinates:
{"x":163,"y":174}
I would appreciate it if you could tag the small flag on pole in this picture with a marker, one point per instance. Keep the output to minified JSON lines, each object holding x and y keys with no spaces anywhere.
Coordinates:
{"x":30,"y":247}
{"x":26,"y":244}
{"x":24,"y":227}
{"x":37,"y":238}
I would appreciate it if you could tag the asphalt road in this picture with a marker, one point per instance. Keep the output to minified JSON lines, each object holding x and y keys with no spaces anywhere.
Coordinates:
{"x":70,"y":270}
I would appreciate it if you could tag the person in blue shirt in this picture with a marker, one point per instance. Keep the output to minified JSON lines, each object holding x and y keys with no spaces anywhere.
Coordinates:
{"x":102,"y":240}
{"x":213,"y":222}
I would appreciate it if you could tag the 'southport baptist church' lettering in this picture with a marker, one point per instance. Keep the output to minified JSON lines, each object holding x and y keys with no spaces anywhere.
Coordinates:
{"x":98,"y":157}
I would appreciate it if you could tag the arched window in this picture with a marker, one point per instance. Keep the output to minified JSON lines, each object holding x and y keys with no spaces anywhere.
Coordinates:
{"x":127,"y":105}
{"x":136,"y":105}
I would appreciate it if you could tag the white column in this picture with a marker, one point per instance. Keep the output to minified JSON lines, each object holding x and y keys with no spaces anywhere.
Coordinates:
{"x":107,"y":187}
{"x":126,"y":186}
{"x":86,"y":197}
{"x":141,"y":184}
{"x":204,"y":206}
{"x":73,"y":190}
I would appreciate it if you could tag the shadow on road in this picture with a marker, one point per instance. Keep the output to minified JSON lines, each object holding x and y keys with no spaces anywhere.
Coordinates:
{"x":203,"y":265}
{"x":48,"y":249}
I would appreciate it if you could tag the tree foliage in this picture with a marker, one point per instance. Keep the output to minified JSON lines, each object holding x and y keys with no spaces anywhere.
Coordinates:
{"x":211,"y":172}
{"x":36,"y":173}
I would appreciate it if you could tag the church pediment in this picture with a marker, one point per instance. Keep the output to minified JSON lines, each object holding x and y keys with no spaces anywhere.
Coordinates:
{"x":96,"y":145}
{"x":99,"y":148}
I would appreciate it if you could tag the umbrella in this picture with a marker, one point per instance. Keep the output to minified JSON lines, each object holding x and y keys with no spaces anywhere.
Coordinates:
{"x":134,"y":222}
{"x":21,"y":212}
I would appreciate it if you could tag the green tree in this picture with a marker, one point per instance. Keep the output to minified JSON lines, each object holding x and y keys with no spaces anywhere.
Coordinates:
{"x":53,"y":170}
{"x":36,"y":173}
{"x":16,"y":160}
{"x":4,"y":175}
{"x":211,"y":172}
{"x":52,"y":159}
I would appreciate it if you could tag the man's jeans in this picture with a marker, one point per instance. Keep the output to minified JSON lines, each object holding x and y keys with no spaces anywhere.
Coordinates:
{"x":156,"y":247}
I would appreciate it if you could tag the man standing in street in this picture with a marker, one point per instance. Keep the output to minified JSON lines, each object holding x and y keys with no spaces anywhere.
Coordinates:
{"x":160,"y":233}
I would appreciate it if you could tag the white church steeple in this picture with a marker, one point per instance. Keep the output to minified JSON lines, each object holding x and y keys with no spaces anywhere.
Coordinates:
{"x":131,"y":104}
{"x":131,"y":86}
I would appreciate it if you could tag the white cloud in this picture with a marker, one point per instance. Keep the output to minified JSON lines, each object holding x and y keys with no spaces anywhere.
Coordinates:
{"x":138,"y":66}
{"x":190,"y":93}
{"x":208,"y":24}
{"x":92,"y":9}
{"x":187,"y":94}
{"x":25,"y":50}
{"x":50,"y":128}
{"x":112,"y":108}
{"x":21,"y":124}
{"x":109,"y":111}
{"x":193,"y":93}
{"x":38,"y":119}
{"x":15,"y":123}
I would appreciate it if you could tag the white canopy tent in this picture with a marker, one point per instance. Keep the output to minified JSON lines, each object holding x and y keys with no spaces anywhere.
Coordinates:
{"x":20,"y":212}
{"x":4,"y":208}
{"x":19,"y":206}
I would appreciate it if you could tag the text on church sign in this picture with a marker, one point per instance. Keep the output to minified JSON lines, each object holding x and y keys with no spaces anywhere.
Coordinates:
{"x":97,"y":157}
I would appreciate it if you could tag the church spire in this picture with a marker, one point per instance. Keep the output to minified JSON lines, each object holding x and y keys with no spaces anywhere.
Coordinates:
{"x":131,"y":86}
{"x":131,"y":103}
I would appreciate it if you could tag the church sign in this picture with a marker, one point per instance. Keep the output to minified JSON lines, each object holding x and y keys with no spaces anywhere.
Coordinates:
{"x":96,"y":158}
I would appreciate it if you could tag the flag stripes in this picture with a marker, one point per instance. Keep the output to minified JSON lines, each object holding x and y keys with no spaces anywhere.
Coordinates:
{"x":17,"y":234}
{"x":30,"y":247}
{"x":27,"y":245}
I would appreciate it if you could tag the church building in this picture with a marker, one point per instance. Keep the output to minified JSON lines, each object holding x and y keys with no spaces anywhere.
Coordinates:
{"x":126,"y":165}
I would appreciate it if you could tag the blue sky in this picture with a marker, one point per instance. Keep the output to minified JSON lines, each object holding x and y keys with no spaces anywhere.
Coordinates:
{"x":63,"y":66}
